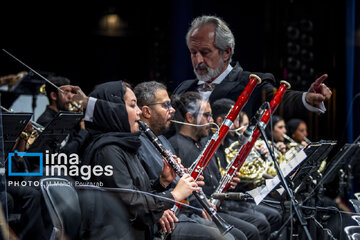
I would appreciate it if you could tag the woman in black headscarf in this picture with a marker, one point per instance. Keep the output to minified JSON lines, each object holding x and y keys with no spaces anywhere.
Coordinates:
{"x":276,"y":131}
{"x":297,"y":130}
{"x":115,"y":145}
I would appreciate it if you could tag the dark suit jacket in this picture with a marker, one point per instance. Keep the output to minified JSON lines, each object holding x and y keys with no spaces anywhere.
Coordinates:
{"x":235,"y":82}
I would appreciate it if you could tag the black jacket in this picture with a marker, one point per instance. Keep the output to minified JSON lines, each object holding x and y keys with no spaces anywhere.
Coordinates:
{"x":235,"y":82}
{"x":113,"y":145}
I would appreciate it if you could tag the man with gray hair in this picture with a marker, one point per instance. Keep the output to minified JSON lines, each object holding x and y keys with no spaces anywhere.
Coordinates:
{"x":211,"y":45}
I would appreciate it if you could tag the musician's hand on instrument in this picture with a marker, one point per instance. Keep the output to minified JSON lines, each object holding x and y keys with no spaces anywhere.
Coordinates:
{"x":79,"y":96}
{"x":167,"y":175}
{"x":318,"y":92}
{"x":185,"y":187}
{"x":264,"y":150}
{"x":200,"y":181}
{"x":167,"y":221}
{"x":179,"y":161}
{"x":213,"y":206}
{"x":235,"y":180}
{"x":282,"y":146}
{"x":205,"y":215}
{"x":303,"y":143}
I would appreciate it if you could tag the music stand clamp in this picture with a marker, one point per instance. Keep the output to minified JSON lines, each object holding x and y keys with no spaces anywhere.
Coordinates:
{"x":261,"y":127}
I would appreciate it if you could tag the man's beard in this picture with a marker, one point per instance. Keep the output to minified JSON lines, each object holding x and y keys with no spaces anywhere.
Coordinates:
{"x":211,"y":73}
{"x":157,"y":127}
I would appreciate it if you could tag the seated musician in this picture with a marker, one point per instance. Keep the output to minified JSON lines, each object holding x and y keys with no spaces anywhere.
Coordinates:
{"x":117,"y":146}
{"x":220,"y":108}
{"x":275,"y":131}
{"x":157,"y":112}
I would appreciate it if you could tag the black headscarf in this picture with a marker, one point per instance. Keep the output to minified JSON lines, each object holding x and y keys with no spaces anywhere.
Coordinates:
{"x":117,"y":133}
{"x":270,"y":126}
{"x":292,"y":125}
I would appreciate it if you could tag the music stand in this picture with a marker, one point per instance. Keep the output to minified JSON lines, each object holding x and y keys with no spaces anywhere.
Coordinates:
{"x":316,"y":152}
{"x":342,"y":157}
{"x":55,"y":132}
{"x":13,"y":125}
{"x":294,"y":205}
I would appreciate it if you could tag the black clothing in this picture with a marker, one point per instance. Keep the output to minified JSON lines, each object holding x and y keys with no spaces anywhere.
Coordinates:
{"x":187,"y":226}
{"x":106,"y":115}
{"x":272,"y":215}
{"x":235,"y":82}
{"x":47,"y":116}
{"x":114,"y":145}
{"x":103,"y":216}
{"x":27,"y":202}
{"x":128,"y":173}
{"x":150,"y":158}
{"x":253,"y":225}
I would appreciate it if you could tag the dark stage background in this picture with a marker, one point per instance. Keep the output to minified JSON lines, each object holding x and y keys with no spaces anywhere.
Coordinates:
{"x":296,"y":40}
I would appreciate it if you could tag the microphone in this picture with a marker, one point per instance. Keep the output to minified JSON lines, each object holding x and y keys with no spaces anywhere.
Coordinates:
{"x":232,"y":196}
{"x":245,"y":137}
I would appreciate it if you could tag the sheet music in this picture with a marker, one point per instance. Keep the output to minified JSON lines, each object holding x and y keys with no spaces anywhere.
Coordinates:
{"x":261,"y":192}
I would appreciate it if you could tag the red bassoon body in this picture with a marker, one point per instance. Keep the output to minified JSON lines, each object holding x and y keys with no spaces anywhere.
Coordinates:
{"x":240,"y":158}
{"x":213,"y":144}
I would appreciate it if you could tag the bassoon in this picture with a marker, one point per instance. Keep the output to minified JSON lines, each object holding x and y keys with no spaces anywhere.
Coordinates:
{"x":213,"y":144}
{"x":244,"y":151}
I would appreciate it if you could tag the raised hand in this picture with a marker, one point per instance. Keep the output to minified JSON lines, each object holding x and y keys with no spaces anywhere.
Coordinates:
{"x":318,"y":92}
{"x":79,"y":96}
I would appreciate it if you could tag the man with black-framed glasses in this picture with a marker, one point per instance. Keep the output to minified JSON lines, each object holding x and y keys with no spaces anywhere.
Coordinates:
{"x":154,"y":102}
{"x":155,"y":105}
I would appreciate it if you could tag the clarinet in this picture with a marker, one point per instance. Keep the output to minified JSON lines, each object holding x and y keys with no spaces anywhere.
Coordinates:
{"x":244,"y":151}
{"x":200,"y":196}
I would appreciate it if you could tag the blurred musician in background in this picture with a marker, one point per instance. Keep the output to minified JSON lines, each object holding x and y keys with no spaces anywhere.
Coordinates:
{"x":220,"y":109}
{"x":189,"y":143}
{"x":276,"y":130}
{"x":63,"y":101}
{"x":297,"y":130}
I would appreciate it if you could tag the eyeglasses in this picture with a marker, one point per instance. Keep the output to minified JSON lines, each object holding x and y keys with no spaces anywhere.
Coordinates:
{"x":166,"y":104}
{"x":207,"y":115}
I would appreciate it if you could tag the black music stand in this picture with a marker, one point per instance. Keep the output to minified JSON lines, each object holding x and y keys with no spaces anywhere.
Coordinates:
{"x":316,"y":152}
{"x":342,"y":157}
{"x":261,"y":127}
{"x":55,"y":132}
{"x":13,"y":125}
